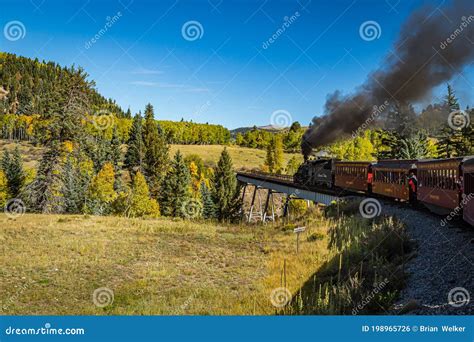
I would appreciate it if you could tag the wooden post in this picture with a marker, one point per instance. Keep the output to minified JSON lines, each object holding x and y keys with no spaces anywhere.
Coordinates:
{"x":243,"y":204}
{"x":285,"y":207}
{"x":252,"y":203}
{"x":266,"y":205}
{"x":273,"y":209}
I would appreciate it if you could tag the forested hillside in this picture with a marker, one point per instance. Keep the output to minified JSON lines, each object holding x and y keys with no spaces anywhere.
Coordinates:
{"x":31,"y":87}
{"x":31,"y":92}
{"x":85,"y":166}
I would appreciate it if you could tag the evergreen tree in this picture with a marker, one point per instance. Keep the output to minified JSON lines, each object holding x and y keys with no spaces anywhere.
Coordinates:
{"x":401,"y":118}
{"x":208,"y":205}
{"x":44,"y":193}
{"x":415,"y":147}
{"x":115,"y":155}
{"x":100,"y":153}
{"x":176,"y":188}
{"x":451,"y":100}
{"x":12,"y":166}
{"x":75,"y":182}
{"x":134,"y":158}
{"x":455,"y":142}
{"x":128,"y":114}
{"x":225,"y":190}
{"x":156,"y":155}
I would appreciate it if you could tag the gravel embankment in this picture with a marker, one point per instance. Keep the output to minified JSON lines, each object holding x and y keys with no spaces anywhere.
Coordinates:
{"x":444,"y":262}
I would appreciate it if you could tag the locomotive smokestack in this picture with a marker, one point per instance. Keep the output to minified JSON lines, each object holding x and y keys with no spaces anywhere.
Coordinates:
{"x":433,"y":45}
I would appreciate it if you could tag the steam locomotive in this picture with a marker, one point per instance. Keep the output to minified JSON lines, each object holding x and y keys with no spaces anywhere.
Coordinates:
{"x":445,"y":186}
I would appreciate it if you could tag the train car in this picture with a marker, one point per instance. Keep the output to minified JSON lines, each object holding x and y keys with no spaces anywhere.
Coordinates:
{"x":316,"y":172}
{"x":468,"y":190}
{"x":440,"y":183}
{"x":390,"y":178}
{"x":353,"y":175}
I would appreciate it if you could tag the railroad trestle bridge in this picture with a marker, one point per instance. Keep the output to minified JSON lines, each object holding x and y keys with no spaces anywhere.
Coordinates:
{"x":279,"y":184}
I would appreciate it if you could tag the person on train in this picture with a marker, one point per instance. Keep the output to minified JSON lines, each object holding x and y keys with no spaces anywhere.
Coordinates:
{"x":412,"y":184}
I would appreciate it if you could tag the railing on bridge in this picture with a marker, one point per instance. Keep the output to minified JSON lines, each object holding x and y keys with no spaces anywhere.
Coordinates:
{"x":267,"y":175}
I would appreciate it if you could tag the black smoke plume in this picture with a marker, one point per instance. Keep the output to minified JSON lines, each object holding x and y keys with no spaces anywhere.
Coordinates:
{"x":434,"y":45}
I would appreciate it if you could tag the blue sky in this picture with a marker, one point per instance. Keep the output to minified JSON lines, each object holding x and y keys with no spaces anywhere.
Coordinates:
{"x":225,"y":75}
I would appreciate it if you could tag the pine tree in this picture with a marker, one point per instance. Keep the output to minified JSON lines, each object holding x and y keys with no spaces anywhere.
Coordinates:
{"x":208,"y":205}
{"x":134,"y":158}
{"x":225,"y":191}
{"x":401,"y":118}
{"x":176,"y":185}
{"x":12,"y":166}
{"x":115,"y":154}
{"x":44,"y":193}
{"x":156,"y":155}
{"x":75,"y":182}
{"x":451,"y":100}
{"x":453,"y":142}
{"x":415,"y":147}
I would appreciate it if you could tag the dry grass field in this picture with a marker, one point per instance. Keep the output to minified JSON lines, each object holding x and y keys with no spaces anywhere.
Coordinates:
{"x":51,"y":264}
{"x":242,"y":157}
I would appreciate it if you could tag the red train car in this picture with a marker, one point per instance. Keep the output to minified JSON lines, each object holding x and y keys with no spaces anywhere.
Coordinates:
{"x":468,"y":189}
{"x":353,"y":175}
{"x":439,"y":183}
{"x":390,"y":178}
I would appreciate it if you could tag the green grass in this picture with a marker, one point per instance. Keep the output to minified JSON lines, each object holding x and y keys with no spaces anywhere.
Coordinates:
{"x":242,"y":157}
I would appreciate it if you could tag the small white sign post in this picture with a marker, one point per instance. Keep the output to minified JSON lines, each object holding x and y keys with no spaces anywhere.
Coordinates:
{"x":298,"y":231}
